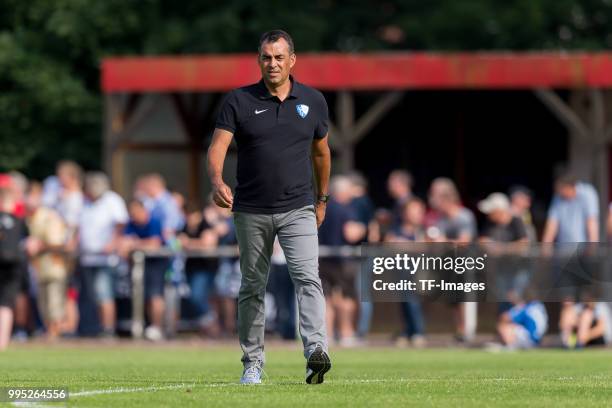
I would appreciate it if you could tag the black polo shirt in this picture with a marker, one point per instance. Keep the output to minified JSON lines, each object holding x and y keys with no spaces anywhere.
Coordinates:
{"x":274,"y":142}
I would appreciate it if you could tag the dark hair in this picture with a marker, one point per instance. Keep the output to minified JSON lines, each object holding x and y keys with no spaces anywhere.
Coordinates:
{"x":566,"y":178}
{"x":520,"y":189}
{"x":273,"y":36}
{"x":404,"y":176}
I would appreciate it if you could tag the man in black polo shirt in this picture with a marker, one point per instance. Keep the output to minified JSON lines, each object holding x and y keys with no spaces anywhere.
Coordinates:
{"x":280,"y":127}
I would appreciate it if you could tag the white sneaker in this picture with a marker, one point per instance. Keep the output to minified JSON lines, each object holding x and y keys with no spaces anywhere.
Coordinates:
{"x":349,"y":342}
{"x":153,"y":333}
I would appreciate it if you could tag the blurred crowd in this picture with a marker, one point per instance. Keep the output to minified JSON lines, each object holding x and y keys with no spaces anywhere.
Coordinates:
{"x":65,"y":242}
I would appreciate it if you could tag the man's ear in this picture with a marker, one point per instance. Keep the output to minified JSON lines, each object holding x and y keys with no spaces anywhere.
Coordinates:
{"x":292,"y":59}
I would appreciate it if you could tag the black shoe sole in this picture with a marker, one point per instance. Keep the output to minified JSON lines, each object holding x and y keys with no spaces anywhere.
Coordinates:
{"x":319,"y":363}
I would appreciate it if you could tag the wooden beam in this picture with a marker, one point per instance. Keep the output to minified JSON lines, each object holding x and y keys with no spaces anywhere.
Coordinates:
{"x":123,"y":133}
{"x":376,"y":112}
{"x":563,"y":112}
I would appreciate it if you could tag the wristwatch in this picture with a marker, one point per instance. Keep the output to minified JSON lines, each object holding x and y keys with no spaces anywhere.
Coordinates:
{"x":324,"y":198}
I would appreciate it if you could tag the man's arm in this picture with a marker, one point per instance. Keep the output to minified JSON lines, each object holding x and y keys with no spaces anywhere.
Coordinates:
{"x":550,"y":230}
{"x":321,"y":163}
{"x":592,"y":229}
{"x":222,"y":194}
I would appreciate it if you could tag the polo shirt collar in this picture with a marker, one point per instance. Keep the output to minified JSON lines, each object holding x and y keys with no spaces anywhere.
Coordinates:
{"x":264,"y":93}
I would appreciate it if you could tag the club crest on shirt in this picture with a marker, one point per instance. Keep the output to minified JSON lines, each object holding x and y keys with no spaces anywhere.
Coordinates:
{"x":302,"y":110}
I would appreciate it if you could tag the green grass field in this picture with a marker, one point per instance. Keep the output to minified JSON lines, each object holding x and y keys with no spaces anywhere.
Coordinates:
{"x":174,"y":376}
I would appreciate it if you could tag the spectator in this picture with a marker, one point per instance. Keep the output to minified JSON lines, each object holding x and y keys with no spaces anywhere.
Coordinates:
{"x":179,"y":200}
{"x":455,"y":224}
{"x":161,"y":205}
{"x":521,"y":199}
{"x":361,"y":202}
{"x":523,"y":326}
{"x":228,"y":277}
{"x":102,"y":220}
{"x":572,"y":218}
{"x":380,"y":225}
{"x":19,"y":184}
{"x":198,"y":235}
{"x":502,"y":226}
{"x":16,"y":182}
{"x":66,"y":194}
{"x":585,"y":324}
{"x":48,"y":236}
{"x":144,"y":232}
{"x":364,"y":210}
{"x":341,"y":227}
{"x":573,"y":214}
{"x":12,"y":233}
{"x":399,"y":186}
{"x":412,"y":228}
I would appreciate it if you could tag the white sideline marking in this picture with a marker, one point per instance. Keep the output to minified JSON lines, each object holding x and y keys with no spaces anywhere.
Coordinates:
{"x":219,"y":385}
{"x":127,"y":390}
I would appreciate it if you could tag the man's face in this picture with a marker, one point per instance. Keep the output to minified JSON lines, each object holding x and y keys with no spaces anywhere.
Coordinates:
{"x":414,"y":213}
{"x":566,"y":191}
{"x":521,"y":201}
{"x":396,"y":187}
{"x":497,"y":216}
{"x":275,"y":61}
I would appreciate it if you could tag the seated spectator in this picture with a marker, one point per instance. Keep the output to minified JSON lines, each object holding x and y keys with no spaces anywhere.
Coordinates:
{"x":12,"y":233}
{"x":585,"y":324}
{"x":102,"y":221}
{"x":523,"y":326}
{"x":144,"y":232}
{"x":199,"y":235}
{"x":48,"y":236}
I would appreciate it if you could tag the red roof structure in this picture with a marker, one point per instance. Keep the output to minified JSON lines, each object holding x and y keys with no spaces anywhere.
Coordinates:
{"x":373,"y":71}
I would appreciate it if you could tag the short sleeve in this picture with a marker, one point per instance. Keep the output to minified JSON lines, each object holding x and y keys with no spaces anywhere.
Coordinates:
{"x":466,"y":224}
{"x":553,"y":211}
{"x":228,"y":115}
{"x":323,"y":120}
{"x":120,"y":213}
{"x":591,"y":201}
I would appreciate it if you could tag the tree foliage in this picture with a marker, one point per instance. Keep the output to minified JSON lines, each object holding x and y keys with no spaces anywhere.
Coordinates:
{"x":50,"y":51}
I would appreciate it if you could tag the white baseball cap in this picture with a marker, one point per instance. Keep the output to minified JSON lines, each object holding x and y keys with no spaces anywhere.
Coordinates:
{"x":495,"y":201}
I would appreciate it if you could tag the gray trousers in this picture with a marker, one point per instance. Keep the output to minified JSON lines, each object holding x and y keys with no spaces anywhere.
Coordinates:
{"x":297,"y":235}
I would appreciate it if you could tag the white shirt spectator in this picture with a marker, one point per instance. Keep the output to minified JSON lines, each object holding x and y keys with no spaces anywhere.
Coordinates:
{"x":99,"y":220}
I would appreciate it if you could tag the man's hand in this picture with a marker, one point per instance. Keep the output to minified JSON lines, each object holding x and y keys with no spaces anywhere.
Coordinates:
{"x":222,"y":195}
{"x":320,"y":208}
